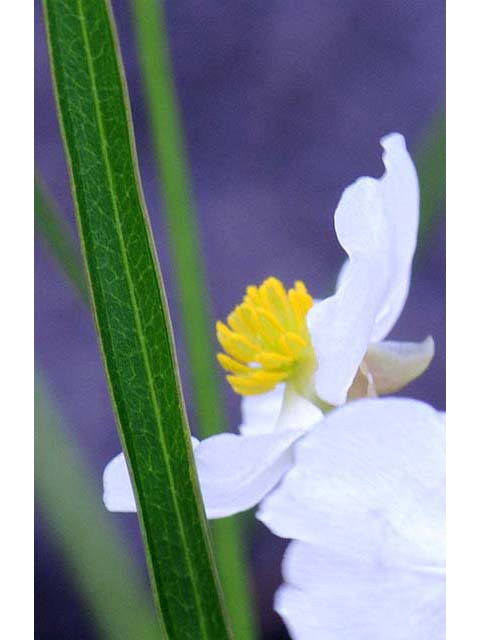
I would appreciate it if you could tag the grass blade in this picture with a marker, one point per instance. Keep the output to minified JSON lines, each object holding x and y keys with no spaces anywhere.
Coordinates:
{"x":58,"y":238}
{"x":98,"y":560}
{"x":230,"y":555}
{"x":191,"y":283}
{"x":181,"y":219}
{"x":226,"y":535}
{"x":132,"y":316}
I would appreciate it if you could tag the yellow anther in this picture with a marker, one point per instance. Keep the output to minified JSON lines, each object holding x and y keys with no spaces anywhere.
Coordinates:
{"x":235,"y":344}
{"x":266,"y":340}
{"x":229,"y":364}
{"x":258,"y":382}
{"x":295,"y":343}
{"x":271,"y":360}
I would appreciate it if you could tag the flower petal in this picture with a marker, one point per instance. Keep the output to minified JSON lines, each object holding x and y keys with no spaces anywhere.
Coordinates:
{"x":297,"y":412}
{"x":337,"y":598}
{"x":393,"y":365}
{"x":261,"y":412}
{"x":280,"y":409}
{"x":370,"y":479}
{"x":117,"y":488}
{"x":376,"y":223}
{"x":236,"y":472}
{"x":401,"y":195}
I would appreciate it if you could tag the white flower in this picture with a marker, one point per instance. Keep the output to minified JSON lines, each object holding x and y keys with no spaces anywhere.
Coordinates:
{"x":292,"y":358}
{"x":365,"y":505}
{"x":332,"y":350}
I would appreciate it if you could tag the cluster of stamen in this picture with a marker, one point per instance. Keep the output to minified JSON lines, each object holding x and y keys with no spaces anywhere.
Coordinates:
{"x":267,"y":339}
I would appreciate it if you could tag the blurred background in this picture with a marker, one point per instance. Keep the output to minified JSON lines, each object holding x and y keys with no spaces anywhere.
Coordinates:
{"x":283,"y":105}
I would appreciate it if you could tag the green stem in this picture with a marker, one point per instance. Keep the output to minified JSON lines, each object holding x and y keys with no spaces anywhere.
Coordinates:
{"x":191,"y":282}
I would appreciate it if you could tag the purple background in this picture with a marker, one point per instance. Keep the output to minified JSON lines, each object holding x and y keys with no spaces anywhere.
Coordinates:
{"x":283,"y":105}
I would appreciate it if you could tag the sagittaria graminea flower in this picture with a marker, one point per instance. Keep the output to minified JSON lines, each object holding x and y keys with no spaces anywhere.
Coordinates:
{"x":365,"y":507}
{"x":292,"y":358}
{"x":276,"y":336}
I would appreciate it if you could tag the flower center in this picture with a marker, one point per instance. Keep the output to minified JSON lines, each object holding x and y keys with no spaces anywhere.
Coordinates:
{"x":267,"y":339}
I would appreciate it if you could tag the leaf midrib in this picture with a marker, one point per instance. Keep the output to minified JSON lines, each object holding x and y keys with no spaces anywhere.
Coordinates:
{"x":133,"y":300}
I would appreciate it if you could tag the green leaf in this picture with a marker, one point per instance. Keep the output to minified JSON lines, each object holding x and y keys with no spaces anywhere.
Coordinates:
{"x":132,"y":316}
{"x":56,"y":496}
{"x":71,"y":503}
{"x":181,"y":219}
{"x":58,"y":238}
{"x":192,"y":290}
{"x":229,"y":550}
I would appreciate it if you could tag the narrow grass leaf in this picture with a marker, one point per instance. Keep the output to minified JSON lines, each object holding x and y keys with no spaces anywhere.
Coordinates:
{"x":182,"y":225}
{"x":132,"y":316}
{"x":192,"y":290}
{"x":73,"y":481}
{"x":230,"y":555}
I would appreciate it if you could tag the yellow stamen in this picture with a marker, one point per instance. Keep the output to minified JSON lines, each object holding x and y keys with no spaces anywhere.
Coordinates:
{"x":267,"y":339}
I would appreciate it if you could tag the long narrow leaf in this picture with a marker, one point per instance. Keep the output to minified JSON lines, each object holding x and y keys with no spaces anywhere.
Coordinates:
{"x":230,"y":555}
{"x":229,"y":552}
{"x":132,"y":316}
{"x":72,"y":505}
{"x":191,"y":283}
{"x":182,"y":223}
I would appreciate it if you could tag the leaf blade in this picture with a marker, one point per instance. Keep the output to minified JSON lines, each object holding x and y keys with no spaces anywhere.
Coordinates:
{"x":191,"y":283}
{"x":132,"y":316}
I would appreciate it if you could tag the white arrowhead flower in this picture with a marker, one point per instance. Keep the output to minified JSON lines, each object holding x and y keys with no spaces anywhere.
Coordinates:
{"x":365,"y":506}
{"x":291,"y":358}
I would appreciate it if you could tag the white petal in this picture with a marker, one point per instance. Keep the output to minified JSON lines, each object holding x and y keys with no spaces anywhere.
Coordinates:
{"x":341,"y":328}
{"x":370,"y":479}
{"x":335,"y":598}
{"x":401,"y":195}
{"x":297,"y":412}
{"x":376,"y":223}
{"x":341,"y":275}
{"x":260,"y":413}
{"x":117,"y":488}
{"x":236,"y":472}
{"x":393,"y":365}
{"x":282,"y":408}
